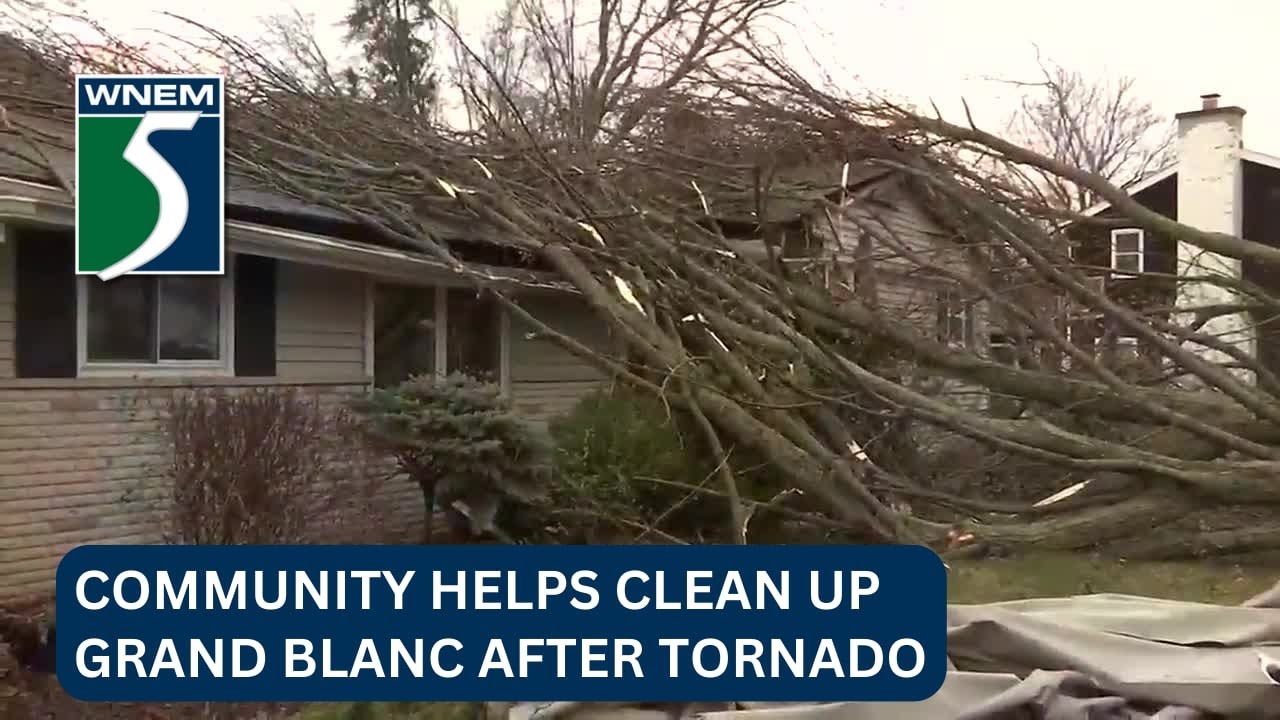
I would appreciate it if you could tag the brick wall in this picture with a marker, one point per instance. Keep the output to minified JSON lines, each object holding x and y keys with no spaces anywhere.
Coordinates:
{"x":83,"y":462}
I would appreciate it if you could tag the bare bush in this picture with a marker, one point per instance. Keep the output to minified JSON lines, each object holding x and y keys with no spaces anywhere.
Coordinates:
{"x":262,"y":466}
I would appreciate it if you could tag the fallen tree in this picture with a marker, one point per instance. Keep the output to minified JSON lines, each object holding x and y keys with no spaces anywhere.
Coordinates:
{"x":741,"y":232}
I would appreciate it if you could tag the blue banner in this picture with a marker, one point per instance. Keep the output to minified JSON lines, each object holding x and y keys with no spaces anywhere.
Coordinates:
{"x":501,"y":623}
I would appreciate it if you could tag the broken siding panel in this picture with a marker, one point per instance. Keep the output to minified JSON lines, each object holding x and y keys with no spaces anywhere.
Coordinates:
{"x":7,"y":304}
{"x":82,"y":464}
{"x":547,"y":380}
{"x":320,"y":323}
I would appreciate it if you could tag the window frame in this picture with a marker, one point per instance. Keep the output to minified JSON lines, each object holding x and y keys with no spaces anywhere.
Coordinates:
{"x":1140,"y":253}
{"x":495,"y":311}
{"x":943,"y":317}
{"x":224,"y":366}
{"x":1129,"y":344}
{"x":440,"y":334}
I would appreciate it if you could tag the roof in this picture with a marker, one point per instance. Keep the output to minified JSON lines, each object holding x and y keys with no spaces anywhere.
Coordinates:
{"x":1253,"y":156}
{"x":807,"y":186}
{"x":803,"y":174}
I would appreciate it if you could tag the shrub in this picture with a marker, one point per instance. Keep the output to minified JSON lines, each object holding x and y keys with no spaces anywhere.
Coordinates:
{"x":259,"y":466}
{"x":458,"y":439}
{"x":622,"y":465}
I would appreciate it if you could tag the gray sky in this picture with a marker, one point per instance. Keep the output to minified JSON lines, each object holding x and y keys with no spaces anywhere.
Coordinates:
{"x":941,"y":50}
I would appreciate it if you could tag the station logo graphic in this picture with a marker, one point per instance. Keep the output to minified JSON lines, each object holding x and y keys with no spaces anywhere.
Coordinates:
{"x":150,"y":189}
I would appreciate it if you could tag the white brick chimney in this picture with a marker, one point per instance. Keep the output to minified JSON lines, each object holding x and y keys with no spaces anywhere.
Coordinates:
{"x":1211,"y":197}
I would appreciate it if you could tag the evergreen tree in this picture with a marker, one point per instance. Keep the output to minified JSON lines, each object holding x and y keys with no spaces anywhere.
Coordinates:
{"x":395,"y":36}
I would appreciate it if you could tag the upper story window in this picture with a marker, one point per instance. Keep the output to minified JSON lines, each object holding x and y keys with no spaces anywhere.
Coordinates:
{"x":141,"y":323}
{"x":1128,"y":251}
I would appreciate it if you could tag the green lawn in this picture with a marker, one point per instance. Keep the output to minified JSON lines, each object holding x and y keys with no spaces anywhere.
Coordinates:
{"x":1057,"y":575}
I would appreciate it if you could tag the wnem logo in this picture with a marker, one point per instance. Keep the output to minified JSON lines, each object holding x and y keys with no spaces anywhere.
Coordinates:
{"x":149,"y":175}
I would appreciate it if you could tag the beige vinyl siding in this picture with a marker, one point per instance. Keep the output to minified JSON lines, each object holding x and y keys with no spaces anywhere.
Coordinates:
{"x":7,"y":298}
{"x":320,"y":319}
{"x":903,"y":243}
{"x":547,"y":380}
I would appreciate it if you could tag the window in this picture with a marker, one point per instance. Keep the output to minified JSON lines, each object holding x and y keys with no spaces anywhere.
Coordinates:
{"x":1003,"y":350}
{"x":424,"y":330}
{"x":1126,"y":353}
{"x":474,"y":335}
{"x":955,"y":318}
{"x":404,"y":333}
{"x":1128,"y":247}
{"x":1126,"y":346}
{"x":179,"y":322}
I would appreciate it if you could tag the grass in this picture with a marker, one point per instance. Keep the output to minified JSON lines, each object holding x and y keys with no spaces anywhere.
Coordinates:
{"x":1058,"y":575}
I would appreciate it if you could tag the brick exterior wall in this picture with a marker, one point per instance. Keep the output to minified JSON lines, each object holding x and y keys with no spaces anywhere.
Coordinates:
{"x":85,"y":464}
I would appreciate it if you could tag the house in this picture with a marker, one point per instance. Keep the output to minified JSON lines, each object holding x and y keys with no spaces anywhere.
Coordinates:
{"x":1215,"y":184}
{"x":310,"y":300}
{"x":304,"y":303}
{"x":875,"y":240}
{"x":297,"y":307}
{"x":861,"y":226}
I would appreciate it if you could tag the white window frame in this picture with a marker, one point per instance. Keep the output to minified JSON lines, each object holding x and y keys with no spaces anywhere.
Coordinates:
{"x":1141,"y":252}
{"x":224,"y":366}
{"x":1127,"y":344}
{"x":1126,"y":347}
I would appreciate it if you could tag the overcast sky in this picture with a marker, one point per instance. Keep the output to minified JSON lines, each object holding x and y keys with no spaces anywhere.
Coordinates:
{"x":941,"y":50}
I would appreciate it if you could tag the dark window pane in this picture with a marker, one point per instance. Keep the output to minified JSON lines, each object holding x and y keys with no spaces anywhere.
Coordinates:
{"x":190,"y":317}
{"x":1128,"y":242}
{"x":121,"y":320}
{"x":1128,"y":263}
{"x":953,"y":318}
{"x":473,"y":344}
{"x":404,"y":335}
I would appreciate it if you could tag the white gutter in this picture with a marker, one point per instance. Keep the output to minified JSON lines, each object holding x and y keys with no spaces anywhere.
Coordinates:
{"x":299,"y":247}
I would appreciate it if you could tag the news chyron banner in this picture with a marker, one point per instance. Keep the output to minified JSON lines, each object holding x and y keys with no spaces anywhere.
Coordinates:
{"x":501,"y":623}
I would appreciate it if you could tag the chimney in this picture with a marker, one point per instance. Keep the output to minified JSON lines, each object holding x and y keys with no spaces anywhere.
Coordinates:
{"x":1210,"y":143}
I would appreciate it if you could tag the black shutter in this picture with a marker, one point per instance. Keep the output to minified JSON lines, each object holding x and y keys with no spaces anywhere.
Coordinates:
{"x":45,"y":336}
{"x":255,"y":321}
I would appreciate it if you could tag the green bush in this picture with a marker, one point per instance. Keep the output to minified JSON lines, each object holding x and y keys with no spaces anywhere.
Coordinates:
{"x":624,"y":464}
{"x":459,"y":439}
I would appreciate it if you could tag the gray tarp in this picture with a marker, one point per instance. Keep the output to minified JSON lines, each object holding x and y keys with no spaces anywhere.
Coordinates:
{"x":1093,"y":657}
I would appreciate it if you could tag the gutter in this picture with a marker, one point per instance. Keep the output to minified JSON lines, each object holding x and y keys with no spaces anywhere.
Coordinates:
{"x":308,"y":249}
